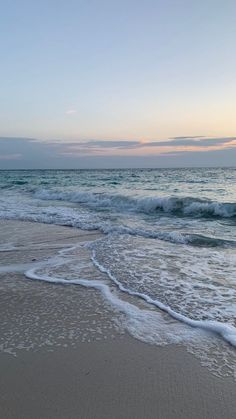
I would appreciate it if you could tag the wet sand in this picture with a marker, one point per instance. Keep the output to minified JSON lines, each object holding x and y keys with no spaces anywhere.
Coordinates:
{"x":63,"y":355}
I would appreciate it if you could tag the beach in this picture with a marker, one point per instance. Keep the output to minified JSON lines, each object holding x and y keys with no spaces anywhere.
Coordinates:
{"x":118,"y":210}
{"x":65,"y":352}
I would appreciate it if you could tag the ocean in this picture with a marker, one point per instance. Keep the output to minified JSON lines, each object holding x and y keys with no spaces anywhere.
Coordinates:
{"x":169,"y":247}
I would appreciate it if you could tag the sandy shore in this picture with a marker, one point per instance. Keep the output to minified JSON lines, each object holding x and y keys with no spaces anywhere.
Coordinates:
{"x":63,"y":355}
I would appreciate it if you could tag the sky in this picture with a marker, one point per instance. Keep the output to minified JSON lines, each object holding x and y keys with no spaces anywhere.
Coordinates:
{"x":87,"y":84}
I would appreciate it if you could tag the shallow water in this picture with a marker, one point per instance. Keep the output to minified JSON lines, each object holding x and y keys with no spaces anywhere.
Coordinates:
{"x":170,"y":240}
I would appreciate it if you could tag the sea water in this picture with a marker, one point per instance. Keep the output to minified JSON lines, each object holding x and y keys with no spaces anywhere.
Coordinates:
{"x":170,"y":241}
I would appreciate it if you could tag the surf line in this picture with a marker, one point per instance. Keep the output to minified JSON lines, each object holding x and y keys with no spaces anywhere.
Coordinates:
{"x":227,"y":332}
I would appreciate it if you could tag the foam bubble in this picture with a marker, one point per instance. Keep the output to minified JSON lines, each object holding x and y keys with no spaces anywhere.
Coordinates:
{"x":228,"y":332}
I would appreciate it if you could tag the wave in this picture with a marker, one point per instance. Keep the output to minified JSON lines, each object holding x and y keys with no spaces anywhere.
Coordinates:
{"x":177,"y":237}
{"x":178,"y":206}
{"x":226,"y":331}
{"x":70,"y":217}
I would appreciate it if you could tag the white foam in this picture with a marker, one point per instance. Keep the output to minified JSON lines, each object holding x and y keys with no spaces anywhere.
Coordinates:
{"x":226,"y":331}
{"x":147,"y":324}
{"x":143,"y":324}
{"x":28,"y":209}
{"x":147,"y":204}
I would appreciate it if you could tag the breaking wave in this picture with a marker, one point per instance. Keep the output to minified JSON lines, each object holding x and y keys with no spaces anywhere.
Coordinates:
{"x":178,"y":206}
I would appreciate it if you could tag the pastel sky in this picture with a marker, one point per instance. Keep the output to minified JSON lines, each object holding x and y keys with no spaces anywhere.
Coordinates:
{"x":103,"y":83}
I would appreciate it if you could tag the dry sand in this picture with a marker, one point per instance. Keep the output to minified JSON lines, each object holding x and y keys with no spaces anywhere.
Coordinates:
{"x":68,"y":359}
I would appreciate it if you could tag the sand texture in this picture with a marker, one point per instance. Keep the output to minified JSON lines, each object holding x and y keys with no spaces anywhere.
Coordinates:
{"x":63,"y":355}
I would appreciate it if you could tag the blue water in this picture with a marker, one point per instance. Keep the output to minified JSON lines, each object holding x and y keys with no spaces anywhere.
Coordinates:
{"x":187,"y":205}
{"x":170,"y":234}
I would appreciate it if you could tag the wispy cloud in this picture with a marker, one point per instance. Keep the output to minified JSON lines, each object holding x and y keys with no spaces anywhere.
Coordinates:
{"x":12,"y":156}
{"x":167,"y":146}
{"x":71,"y":111}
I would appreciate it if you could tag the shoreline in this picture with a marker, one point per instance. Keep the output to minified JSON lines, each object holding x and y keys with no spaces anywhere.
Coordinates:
{"x":98,"y":372}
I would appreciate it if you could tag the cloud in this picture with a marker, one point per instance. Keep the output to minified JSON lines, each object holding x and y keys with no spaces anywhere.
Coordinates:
{"x":103,"y":144}
{"x":187,"y":137}
{"x":196,"y":142}
{"x":12,"y":156}
{"x":182,"y":151}
{"x":191,"y":141}
{"x":71,"y":112}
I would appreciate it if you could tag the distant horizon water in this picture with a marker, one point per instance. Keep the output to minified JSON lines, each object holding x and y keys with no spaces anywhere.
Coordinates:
{"x":118,"y":168}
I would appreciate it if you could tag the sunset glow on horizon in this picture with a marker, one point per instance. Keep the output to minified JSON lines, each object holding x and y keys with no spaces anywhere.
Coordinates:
{"x":119,"y":71}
